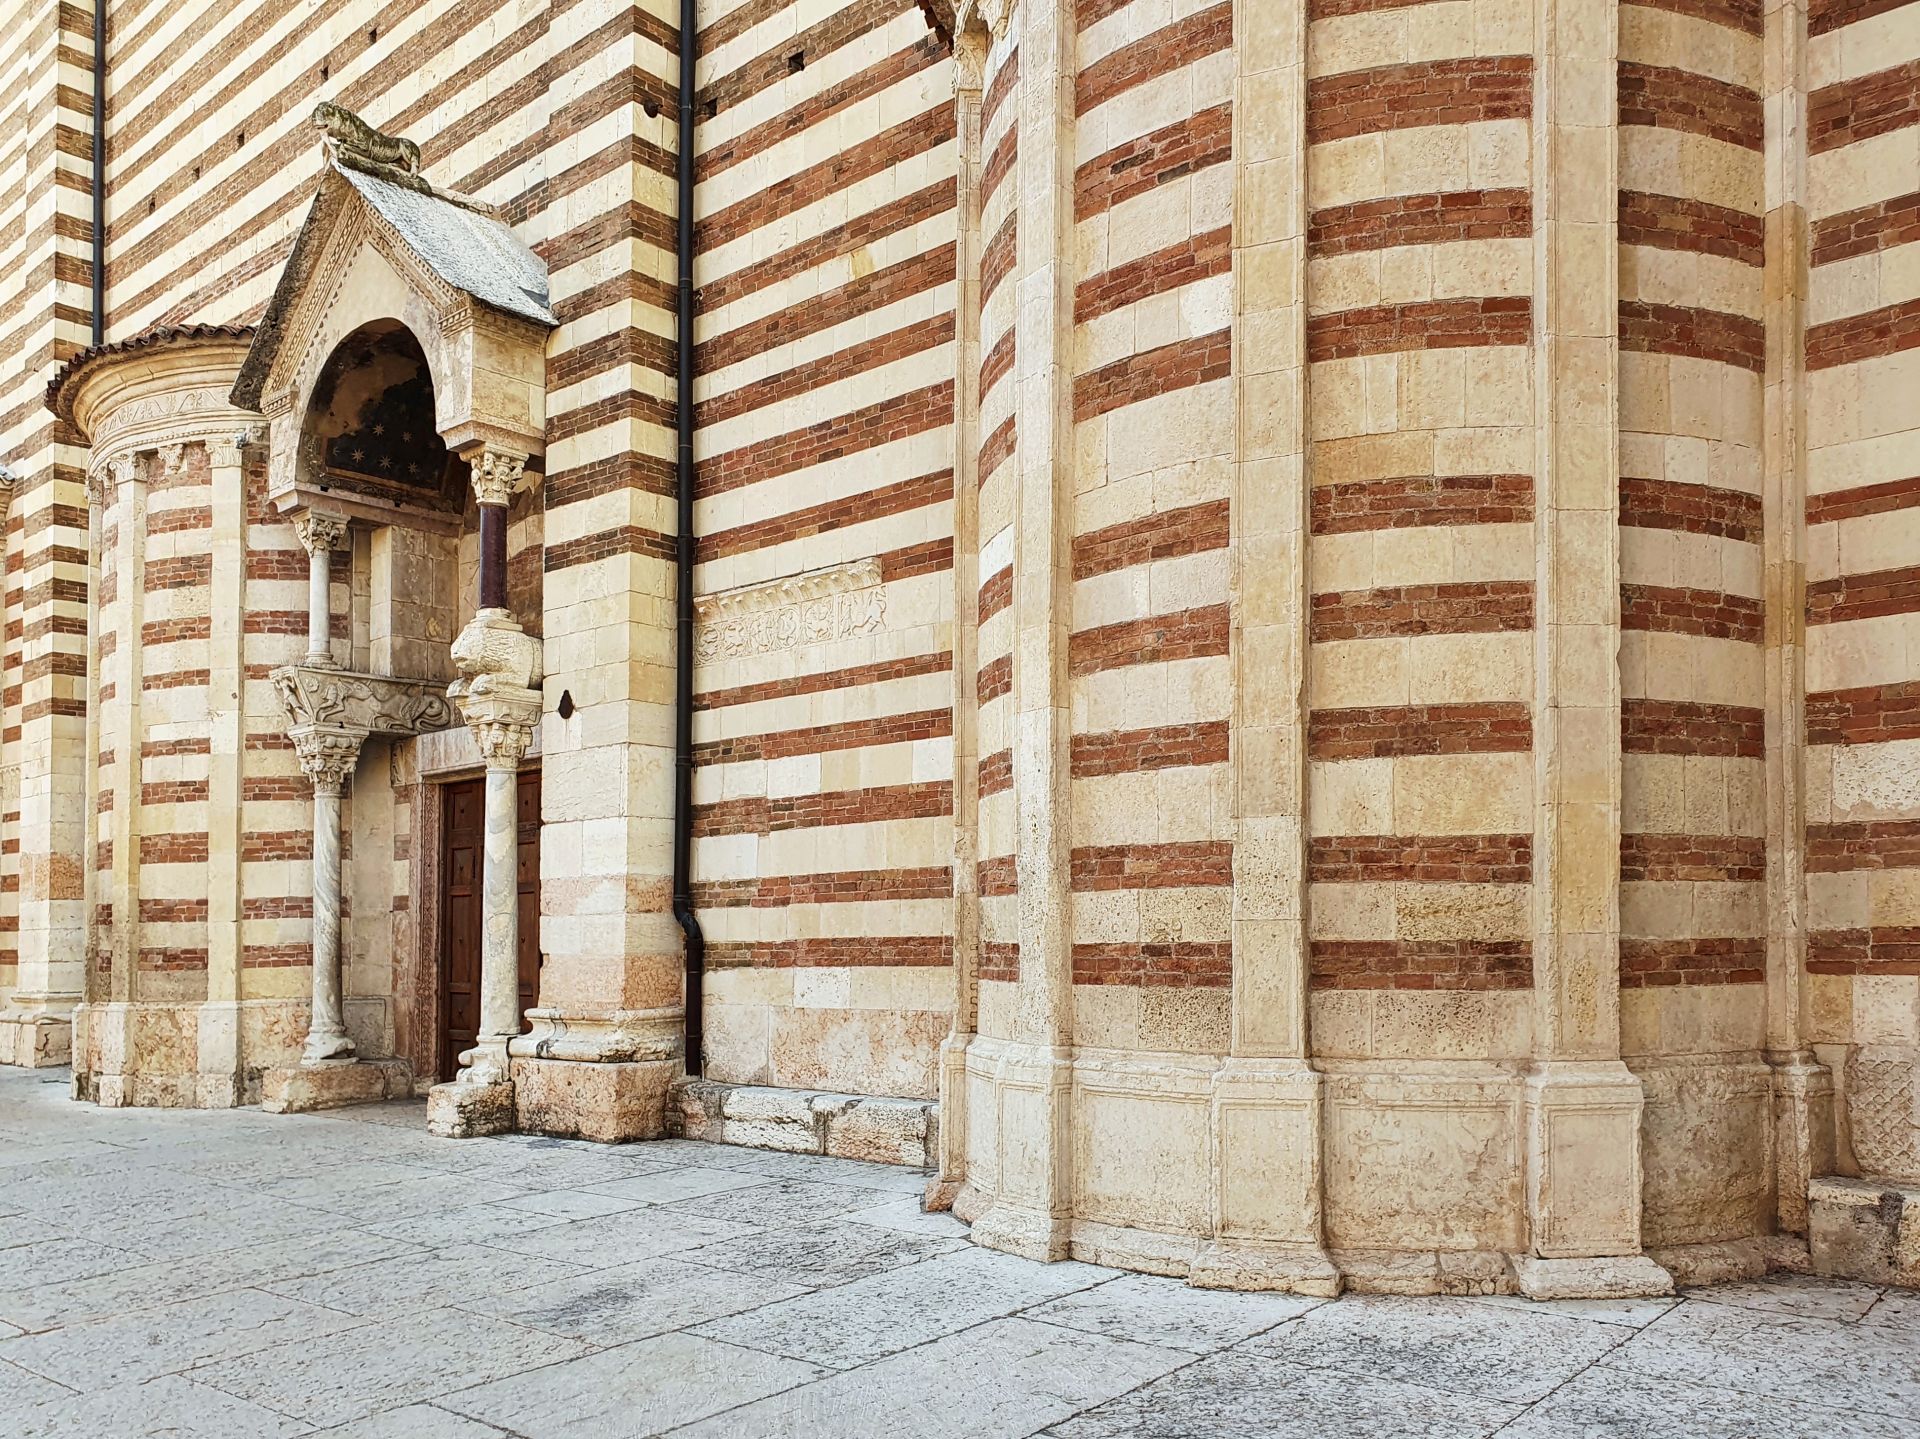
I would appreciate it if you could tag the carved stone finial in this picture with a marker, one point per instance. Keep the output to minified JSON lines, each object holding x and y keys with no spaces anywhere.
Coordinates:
{"x":498,"y":475}
{"x":354,"y":144}
{"x":229,"y":450}
{"x":320,"y":531}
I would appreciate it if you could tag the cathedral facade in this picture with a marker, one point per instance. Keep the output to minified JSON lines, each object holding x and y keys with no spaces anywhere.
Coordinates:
{"x":1282,"y":638}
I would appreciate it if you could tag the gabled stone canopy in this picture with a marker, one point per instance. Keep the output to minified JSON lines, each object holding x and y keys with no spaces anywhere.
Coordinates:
{"x":372,"y":253}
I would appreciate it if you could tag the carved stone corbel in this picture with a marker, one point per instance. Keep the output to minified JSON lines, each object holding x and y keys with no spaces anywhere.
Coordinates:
{"x":321,"y":698}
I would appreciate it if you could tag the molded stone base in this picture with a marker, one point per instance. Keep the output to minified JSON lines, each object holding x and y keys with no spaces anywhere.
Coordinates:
{"x":1620,"y":1276}
{"x":1721,"y":1263}
{"x":331,"y":1085}
{"x":612,"y":1103}
{"x":460,"y":1110}
{"x":797,"y":1121}
{"x":36,"y":1041}
{"x":1238,"y":1264}
{"x":1026,"y":1233}
{"x":1864,"y":1229}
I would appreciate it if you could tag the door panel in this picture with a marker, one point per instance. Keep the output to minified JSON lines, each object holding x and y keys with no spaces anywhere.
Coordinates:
{"x":461,"y":860}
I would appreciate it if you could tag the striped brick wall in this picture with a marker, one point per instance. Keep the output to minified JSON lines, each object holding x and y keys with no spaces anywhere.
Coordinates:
{"x":1692,"y":348}
{"x":825,"y":207}
{"x":1152,"y":855}
{"x":1863,"y":521}
{"x":1421,"y":553}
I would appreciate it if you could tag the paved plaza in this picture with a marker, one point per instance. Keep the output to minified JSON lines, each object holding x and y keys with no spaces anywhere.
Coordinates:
{"x":235,"y":1275}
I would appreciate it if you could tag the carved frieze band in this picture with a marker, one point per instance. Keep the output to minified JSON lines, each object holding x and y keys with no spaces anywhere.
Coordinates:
{"x":822,"y":605}
{"x":371,"y":704}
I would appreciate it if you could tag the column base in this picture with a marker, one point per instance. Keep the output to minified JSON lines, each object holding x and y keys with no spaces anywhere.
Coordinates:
{"x":1618,"y":1276}
{"x":1026,"y":1233}
{"x":470,"y":1109}
{"x":1243,"y":1264}
{"x":35,"y":1040}
{"x":611,"y":1103}
{"x":1803,"y":1133}
{"x":1867,"y":1229}
{"x":332,"y":1084}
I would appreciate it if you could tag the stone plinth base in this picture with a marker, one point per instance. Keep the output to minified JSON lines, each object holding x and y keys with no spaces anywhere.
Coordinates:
{"x":1620,"y":1276}
{"x":1864,"y":1229}
{"x":332,"y":1084}
{"x":463,"y":1110}
{"x":36,"y":1041}
{"x":612,"y":1102}
{"x":798,"y":1121}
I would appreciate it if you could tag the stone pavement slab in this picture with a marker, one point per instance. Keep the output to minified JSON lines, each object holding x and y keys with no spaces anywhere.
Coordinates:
{"x":244,"y":1276}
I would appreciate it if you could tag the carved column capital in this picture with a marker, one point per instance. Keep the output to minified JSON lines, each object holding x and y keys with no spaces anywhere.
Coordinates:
{"x":319,"y":531}
{"x":503,"y":742}
{"x":227,"y":451}
{"x":327,"y":754}
{"x":173,"y":458}
{"x":498,"y":475}
{"x":8,"y":479}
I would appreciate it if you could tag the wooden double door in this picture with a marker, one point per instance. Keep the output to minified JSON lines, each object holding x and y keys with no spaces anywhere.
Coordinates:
{"x":462,"y":838}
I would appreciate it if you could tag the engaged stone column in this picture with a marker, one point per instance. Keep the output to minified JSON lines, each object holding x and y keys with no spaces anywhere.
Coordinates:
{"x":322,"y":534}
{"x":499,"y":694}
{"x":327,"y":757}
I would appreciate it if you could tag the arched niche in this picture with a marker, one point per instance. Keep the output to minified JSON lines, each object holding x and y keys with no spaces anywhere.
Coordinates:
{"x":371,"y":425}
{"x":380,"y":272}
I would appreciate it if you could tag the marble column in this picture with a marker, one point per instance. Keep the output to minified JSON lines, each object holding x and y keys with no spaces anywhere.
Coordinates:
{"x":327,"y":757}
{"x":499,"y":696}
{"x":322,"y":534}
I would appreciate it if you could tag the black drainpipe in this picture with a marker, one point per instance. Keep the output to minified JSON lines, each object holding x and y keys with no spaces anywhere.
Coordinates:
{"x":99,"y":171}
{"x":696,"y":964}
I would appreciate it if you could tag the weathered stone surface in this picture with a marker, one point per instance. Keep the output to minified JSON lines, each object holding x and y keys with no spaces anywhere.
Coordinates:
{"x":1861,"y":1229}
{"x":607,"y":1102}
{"x":307,"y":1087}
{"x":469,"y":1111}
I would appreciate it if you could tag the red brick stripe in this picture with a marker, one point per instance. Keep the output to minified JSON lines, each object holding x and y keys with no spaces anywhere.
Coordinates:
{"x":1193,"y":37}
{"x":879,"y":672}
{"x":1694,"y":509}
{"x":1463,"y":964}
{"x":860,"y":358}
{"x":1186,"y":634}
{"x":1000,"y":962}
{"x":1421,"y":859}
{"x":1327,"y":9}
{"x":621,"y":540}
{"x":1655,"y":329}
{"x":827,"y":739}
{"x":1742,"y":15}
{"x":1423,"y":92}
{"x":1178,"y":964}
{"x":760,"y":814}
{"x":1858,"y":109}
{"x":1663,"y":98}
{"x":995,"y":772}
{"x":1863,"y":844}
{"x":996,"y":450}
{"x":995,"y":594}
{"x":999,"y":165}
{"x":912,"y":276}
{"x":995,"y":679}
{"x":1169,"y":153}
{"x":1468,"y":608}
{"x":996,"y":261}
{"x":1005,"y":80}
{"x":998,"y":363}
{"x":1153,"y":373}
{"x":1666,"y":963}
{"x":1392,"y":731}
{"x":1686,"y":728}
{"x":1860,"y":597}
{"x":1863,"y":500}
{"x":1668,"y":222}
{"x":1868,"y":229}
{"x":1827,"y":15}
{"x":902,"y":951}
{"x":1695,"y":857}
{"x":1201,"y":863}
{"x":1434,"y":219}
{"x":998,"y":876}
{"x":1411,"y":502}
{"x":825,"y":518}
{"x":1198,"y":257}
{"x":1882,"y":949}
{"x":1135,"y":751}
{"x":777,"y":891}
{"x":1870,"y":714}
{"x":1682,"y":610}
{"x":1420,"y":325}
{"x":882,"y":422}
{"x":1886,"y":331}
{"x":1165,"y":534}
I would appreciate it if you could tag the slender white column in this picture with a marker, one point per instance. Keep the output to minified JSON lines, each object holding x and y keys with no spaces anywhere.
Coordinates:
{"x":327,"y":757}
{"x":322,"y":534}
{"x":503,"y":743}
